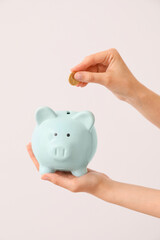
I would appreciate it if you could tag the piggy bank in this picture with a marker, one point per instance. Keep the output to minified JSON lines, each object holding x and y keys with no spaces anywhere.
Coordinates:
{"x":64,"y":140}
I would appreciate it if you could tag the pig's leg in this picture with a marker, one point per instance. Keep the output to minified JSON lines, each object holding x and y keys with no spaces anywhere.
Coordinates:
{"x":43,"y":170}
{"x":79,"y":172}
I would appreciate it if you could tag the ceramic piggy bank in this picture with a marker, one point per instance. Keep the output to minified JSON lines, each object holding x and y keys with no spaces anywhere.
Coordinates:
{"x":64,"y":140}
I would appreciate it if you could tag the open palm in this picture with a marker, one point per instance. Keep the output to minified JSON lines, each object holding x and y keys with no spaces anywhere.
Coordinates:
{"x":86,"y":183}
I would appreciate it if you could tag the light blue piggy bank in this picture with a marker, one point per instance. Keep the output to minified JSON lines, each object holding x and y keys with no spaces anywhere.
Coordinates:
{"x":64,"y":140}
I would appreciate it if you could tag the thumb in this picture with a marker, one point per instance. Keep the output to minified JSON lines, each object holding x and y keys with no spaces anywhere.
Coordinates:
{"x":87,"y":77}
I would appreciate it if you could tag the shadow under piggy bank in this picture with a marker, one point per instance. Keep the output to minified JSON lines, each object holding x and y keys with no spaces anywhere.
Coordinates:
{"x":64,"y":140}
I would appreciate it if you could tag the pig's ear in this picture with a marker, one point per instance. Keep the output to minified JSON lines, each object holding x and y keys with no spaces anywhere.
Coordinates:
{"x":87,"y":118}
{"x":43,"y":114}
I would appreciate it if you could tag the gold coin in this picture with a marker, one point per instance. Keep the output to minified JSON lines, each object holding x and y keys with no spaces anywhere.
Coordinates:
{"x":71,"y":79}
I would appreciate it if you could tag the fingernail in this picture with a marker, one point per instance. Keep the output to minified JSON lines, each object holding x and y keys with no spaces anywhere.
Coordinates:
{"x":78,"y":76}
{"x":44,"y":178}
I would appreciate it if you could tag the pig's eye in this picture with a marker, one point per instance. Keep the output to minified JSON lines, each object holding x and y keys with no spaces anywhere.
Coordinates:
{"x":55,"y":134}
{"x":68,"y":112}
{"x":68,"y":134}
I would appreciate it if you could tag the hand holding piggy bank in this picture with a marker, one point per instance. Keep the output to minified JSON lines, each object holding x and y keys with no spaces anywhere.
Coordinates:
{"x":64,"y":140}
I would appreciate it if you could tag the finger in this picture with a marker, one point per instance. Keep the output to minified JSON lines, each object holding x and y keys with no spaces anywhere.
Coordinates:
{"x":80,"y":84}
{"x":97,"y":68}
{"x":90,"y":170}
{"x":31,"y":154}
{"x":84,"y":84}
{"x":88,"y":77}
{"x":61,"y":179}
{"x":91,"y":60}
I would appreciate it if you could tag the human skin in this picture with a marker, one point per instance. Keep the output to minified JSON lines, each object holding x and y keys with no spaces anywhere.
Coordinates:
{"x":108,"y":69}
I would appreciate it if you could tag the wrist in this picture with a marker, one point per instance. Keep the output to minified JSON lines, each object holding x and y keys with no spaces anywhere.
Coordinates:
{"x":138,"y":94}
{"x":111,"y":191}
{"x":104,"y":190}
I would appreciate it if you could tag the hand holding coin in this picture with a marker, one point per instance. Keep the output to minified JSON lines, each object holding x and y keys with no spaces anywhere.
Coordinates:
{"x":74,"y":82}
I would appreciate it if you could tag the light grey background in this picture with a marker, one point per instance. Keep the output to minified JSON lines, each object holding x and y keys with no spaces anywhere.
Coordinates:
{"x":39,"y":42}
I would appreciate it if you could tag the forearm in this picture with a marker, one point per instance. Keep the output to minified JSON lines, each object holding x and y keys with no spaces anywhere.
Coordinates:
{"x":146,"y":102}
{"x":138,"y":198}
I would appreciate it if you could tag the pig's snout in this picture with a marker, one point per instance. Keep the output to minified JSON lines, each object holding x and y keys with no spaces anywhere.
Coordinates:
{"x":60,"y":153}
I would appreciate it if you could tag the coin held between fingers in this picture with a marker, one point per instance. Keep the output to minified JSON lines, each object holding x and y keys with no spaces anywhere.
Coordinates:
{"x":71,"y":79}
